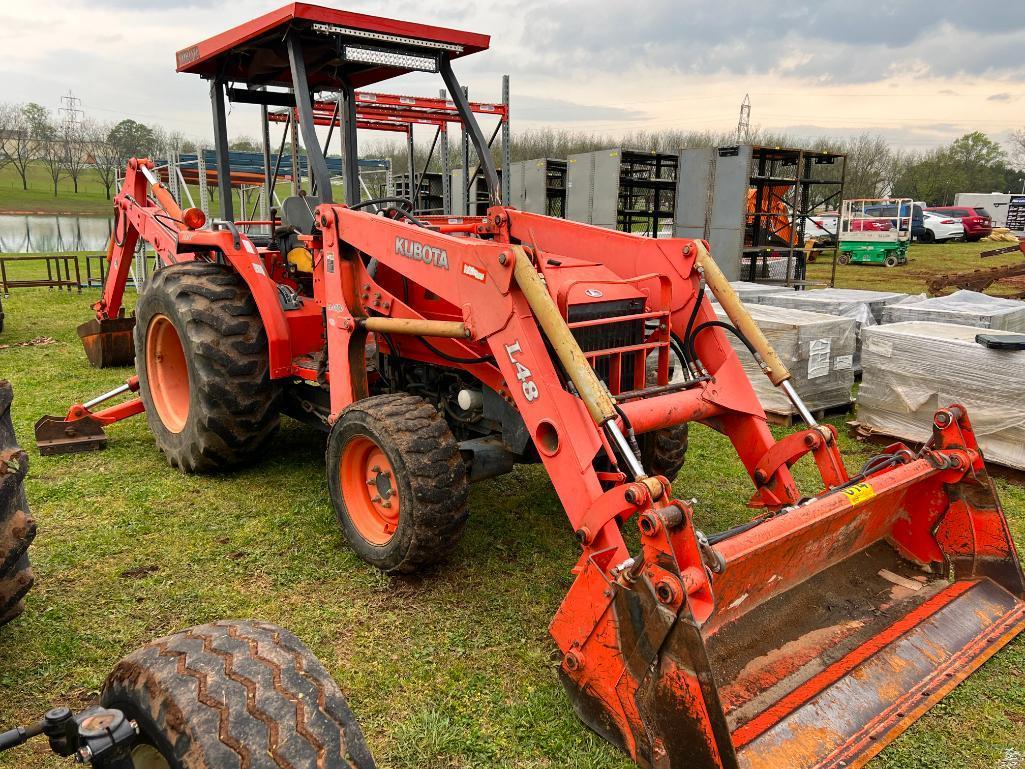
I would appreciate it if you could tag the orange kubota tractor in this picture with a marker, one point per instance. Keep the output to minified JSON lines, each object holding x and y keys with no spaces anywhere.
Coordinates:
{"x":435,"y":352}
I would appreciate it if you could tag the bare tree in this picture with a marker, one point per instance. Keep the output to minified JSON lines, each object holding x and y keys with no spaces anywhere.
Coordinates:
{"x":8,"y":122}
{"x":52,"y":149}
{"x":1018,"y":147}
{"x":17,"y":146}
{"x":72,"y":133}
{"x":106,"y":156}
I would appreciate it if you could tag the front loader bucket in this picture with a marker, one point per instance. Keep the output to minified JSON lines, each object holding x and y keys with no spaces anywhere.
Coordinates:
{"x":108,"y":342}
{"x":831,"y":627}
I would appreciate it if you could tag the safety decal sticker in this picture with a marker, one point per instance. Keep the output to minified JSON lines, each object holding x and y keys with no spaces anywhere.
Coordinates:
{"x":858,"y":493}
{"x":473,"y":272}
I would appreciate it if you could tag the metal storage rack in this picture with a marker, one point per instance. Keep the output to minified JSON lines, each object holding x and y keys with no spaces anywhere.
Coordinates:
{"x":478,"y":194}
{"x":752,"y":204}
{"x":539,"y":186}
{"x":429,"y":188}
{"x":400,"y":114}
{"x":628,"y":190}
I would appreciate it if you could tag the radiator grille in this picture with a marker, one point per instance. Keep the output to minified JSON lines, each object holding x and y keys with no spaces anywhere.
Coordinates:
{"x":619,"y":371}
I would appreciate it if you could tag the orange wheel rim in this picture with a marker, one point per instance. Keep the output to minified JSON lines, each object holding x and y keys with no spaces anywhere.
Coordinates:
{"x":369,"y":489}
{"x":167,"y":373}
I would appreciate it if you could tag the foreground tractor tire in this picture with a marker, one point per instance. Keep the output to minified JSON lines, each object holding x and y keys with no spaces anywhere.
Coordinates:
{"x":234,"y":694}
{"x":201,"y":355}
{"x":397,"y":482}
{"x":17,"y":528}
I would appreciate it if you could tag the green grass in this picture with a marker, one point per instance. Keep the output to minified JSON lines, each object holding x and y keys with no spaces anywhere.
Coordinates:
{"x":924,"y":261}
{"x":91,"y":197}
{"x":450,"y":670}
{"x":39,"y":198}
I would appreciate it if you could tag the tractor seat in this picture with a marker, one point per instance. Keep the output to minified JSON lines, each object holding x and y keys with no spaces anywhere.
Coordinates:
{"x":297,"y":212}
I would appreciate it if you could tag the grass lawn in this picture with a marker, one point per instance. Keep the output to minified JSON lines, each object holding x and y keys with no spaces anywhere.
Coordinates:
{"x":91,"y":197}
{"x":453,"y":669}
{"x":924,"y":261}
{"x":39,"y":198}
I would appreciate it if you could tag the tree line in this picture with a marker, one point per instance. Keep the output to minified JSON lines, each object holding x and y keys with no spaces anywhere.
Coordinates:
{"x":972,"y":163}
{"x":29,"y":134}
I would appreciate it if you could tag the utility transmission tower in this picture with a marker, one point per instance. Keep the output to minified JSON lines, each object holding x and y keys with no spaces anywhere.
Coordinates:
{"x":70,"y":110}
{"x":744,"y":123}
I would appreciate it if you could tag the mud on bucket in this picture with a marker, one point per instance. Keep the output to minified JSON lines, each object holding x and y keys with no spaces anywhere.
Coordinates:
{"x":108,"y":342}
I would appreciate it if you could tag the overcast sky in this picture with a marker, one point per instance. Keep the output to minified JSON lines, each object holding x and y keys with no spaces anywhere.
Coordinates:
{"x":919,"y":72}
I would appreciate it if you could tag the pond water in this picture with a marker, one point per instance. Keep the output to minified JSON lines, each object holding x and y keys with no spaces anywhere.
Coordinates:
{"x":53,"y":234}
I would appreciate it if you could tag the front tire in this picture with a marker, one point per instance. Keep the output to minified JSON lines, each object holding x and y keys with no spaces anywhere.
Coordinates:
{"x":844,"y":258}
{"x":234,"y":694}
{"x":928,"y":237}
{"x":204,"y":376}
{"x":892,"y":261}
{"x":663,"y":451}
{"x":397,"y":482}
{"x":17,"y":527}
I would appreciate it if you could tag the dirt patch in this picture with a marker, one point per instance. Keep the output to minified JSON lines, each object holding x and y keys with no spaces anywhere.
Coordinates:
{"x":139,"y":572}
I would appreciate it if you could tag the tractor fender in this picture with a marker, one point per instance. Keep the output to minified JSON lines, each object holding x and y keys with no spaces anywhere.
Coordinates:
{"x":245,"y":259}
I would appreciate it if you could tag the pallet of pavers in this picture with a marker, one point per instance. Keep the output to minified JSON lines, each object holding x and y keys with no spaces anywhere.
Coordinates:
{"x":911,"y":369}
{"x":865,"y":307}
{"x":817,"y":348}
{"x":747,"y":291}
{"x":965,"y":308}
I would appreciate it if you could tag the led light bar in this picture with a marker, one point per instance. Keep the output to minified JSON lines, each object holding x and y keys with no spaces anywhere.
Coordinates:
{"x":331,"y":29}
{"x":390,"y":59}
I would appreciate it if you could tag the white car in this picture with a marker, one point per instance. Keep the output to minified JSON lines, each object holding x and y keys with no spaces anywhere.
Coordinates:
{"x":940,"y":228}
{"x":821,"y":227}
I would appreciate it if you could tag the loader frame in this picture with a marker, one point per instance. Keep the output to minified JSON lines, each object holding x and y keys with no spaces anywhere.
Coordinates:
{"x":639,"y":633}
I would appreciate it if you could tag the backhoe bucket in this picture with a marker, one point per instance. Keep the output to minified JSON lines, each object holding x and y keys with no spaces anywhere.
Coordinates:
{"x":108,"y":342}
{"x":830,"y":628}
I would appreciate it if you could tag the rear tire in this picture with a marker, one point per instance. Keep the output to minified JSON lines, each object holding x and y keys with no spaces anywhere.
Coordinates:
{"x":234,"y":694}
{"x":17,"y":527}
{"x":892,"y":261}
{"x":397,"y":482}
{"x":204,"y":376}
{"x":844,"y":258}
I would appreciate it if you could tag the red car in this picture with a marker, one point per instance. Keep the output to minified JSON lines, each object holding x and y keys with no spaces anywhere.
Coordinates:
{"x":977,"y":222}
{"x":871,"y":225}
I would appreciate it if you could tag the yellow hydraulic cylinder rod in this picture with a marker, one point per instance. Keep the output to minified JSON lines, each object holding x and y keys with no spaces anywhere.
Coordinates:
{"x":591,"y":389}
{"x":740,"y":317}
{"x":417,"y":327}
{"x":767,"y":358}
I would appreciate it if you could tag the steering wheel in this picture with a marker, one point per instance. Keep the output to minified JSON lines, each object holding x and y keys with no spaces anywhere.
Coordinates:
{"x":404,"y":204}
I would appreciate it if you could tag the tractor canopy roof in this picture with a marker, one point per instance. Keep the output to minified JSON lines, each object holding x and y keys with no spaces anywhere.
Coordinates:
{"x":336,"y":45}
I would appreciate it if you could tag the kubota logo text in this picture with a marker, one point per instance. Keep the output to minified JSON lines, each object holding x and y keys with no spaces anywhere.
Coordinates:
{"x":421,"y":252}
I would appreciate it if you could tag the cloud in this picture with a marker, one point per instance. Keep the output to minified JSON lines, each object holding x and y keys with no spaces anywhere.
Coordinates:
{"x":825,"y":41}
{"x":561,"y":110}
{"x":1000,"y":97}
